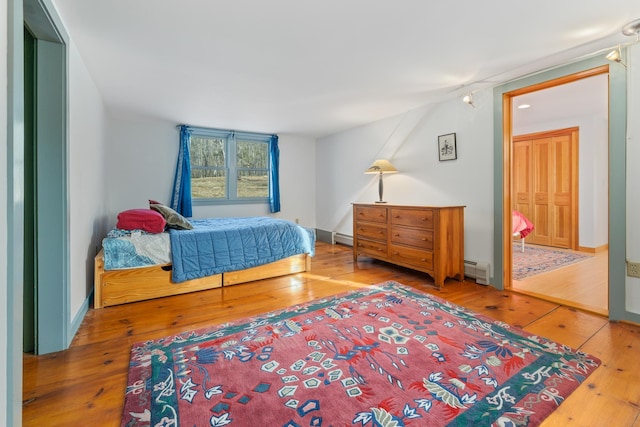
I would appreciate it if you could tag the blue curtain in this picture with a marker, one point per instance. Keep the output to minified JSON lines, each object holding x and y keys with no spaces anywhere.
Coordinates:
{"x":274,"y":184}
{"x":181,"y":196}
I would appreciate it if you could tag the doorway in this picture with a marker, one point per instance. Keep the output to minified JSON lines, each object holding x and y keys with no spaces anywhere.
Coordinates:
{"x":29,"y":261}
{"x":550,"y":105}
{"x":45,"y":235}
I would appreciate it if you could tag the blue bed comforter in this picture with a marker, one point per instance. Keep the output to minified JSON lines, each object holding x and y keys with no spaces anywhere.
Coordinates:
{"x":216,"y":245}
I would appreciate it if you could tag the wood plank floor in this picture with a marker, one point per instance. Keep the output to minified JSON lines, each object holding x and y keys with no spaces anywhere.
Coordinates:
{"x":583,"y":285}
{"x":85,"y":384}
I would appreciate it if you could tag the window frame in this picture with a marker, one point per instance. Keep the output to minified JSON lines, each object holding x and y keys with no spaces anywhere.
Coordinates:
{"x":231,"y":168}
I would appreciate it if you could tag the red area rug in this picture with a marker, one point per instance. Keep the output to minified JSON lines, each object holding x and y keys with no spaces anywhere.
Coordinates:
{"x":537,"y":260}
{"x":388,"y":355}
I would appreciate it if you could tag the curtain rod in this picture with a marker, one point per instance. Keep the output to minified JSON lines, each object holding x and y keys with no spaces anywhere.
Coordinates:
{"x":227,"y":130}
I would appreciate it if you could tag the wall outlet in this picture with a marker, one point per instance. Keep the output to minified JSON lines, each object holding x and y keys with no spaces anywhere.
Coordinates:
{"x":633,"y":269}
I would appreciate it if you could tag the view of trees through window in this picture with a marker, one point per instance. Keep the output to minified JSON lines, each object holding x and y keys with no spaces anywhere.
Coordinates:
{"x":214,"y":160}
{"x":252,"y":164}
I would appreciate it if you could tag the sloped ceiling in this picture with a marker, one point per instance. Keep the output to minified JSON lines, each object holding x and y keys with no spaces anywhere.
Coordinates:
{"x":316,"y":68}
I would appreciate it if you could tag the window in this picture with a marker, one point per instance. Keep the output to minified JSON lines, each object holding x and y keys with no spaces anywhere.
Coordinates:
{"x":229,"y":167}
{"x":221,"y":166}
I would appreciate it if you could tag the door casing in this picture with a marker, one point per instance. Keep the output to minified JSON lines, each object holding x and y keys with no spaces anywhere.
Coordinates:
{"x":507,"y":157}
{"x":617,"y":205}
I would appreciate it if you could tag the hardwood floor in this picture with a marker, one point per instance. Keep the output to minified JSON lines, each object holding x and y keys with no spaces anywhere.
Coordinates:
{"x":85,"y":384}
{"x":583,"y":285}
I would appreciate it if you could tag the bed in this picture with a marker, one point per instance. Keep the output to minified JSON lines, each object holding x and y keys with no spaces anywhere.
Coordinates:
{"x":216,"y":252}
{"x":521,"y":226}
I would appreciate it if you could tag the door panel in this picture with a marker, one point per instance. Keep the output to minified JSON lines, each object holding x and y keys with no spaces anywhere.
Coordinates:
{"x":542,"y":188}
{"x":561,"y":234}
{"x":541,"y":233}
{"x":522,"y":185}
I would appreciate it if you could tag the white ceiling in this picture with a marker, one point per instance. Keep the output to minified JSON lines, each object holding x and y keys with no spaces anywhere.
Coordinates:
{"x":316,"y":68}
{"x":583,"y":98}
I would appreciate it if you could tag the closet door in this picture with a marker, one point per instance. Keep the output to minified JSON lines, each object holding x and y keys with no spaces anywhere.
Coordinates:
{"x":522,"y":180}
{"x":563,"y":214}
{"x":545,"y":185}
{"x":542,"y":185}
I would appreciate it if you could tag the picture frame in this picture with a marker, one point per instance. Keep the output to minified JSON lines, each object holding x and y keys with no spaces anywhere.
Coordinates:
{"x":447,"y":149}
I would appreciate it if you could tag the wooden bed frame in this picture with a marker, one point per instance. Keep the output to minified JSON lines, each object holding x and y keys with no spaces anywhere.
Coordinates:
{"x":138,"y":284}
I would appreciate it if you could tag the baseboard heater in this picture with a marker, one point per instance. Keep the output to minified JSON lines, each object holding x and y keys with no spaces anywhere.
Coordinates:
{"x":333,"y":237}
{"x":325,"y":236}
{"x":343,"y":239}
{"x":478,"y":271}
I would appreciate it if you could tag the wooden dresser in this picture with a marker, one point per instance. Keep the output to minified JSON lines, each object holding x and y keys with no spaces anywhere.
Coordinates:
{"x":424,"y":238}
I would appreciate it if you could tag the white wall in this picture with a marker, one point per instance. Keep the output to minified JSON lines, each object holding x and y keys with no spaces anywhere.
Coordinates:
{"x":87,"y":204}
{"x":141,"y":161}
{"x":633,"y":176}
{"x":409,"y":141}
{"x":593,"y":193}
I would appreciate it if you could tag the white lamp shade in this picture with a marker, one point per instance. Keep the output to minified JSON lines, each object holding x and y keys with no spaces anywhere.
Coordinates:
{"x":381,"y":166}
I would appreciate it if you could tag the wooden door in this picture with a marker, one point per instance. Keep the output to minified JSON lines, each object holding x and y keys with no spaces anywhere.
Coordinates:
{"x":562,"y":212}
{"x":545,"y":185}
{"x":541,"y":192}
{"x":522,"y":177}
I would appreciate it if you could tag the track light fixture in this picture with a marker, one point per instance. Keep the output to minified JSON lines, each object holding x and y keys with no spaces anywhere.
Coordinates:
{"x":630,"y":29}
{"x":468,"y":99}
{"x":616,"y":56}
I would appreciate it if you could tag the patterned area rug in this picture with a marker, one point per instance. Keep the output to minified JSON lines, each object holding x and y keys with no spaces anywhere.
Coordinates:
{"x":536,"y":260}
{"x":387,"y":355}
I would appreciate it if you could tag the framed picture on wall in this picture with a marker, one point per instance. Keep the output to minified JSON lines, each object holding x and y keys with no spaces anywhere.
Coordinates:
{"x":447,"y":147}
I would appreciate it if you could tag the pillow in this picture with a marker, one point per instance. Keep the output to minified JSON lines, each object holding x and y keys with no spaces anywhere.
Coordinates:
{"x":141,"y":219}
{"x":173,"y":218}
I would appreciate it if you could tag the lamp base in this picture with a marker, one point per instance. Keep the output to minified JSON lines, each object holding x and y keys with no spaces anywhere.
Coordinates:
{"x":380,"y":201}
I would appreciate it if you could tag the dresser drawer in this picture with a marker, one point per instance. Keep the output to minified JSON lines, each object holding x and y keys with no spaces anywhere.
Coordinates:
{"x":375,"y":249}
{"x":372,"y":231}
{"x":412,"y":218}
{"x":419,"y":258}
{"x":371,"y":213}
{"x":418,"y":237}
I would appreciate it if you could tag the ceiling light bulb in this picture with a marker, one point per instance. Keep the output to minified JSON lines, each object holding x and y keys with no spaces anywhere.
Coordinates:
{"x":523,"y":106}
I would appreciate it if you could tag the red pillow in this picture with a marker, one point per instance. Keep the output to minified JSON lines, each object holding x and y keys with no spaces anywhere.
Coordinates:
{"x":141,"y":219}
